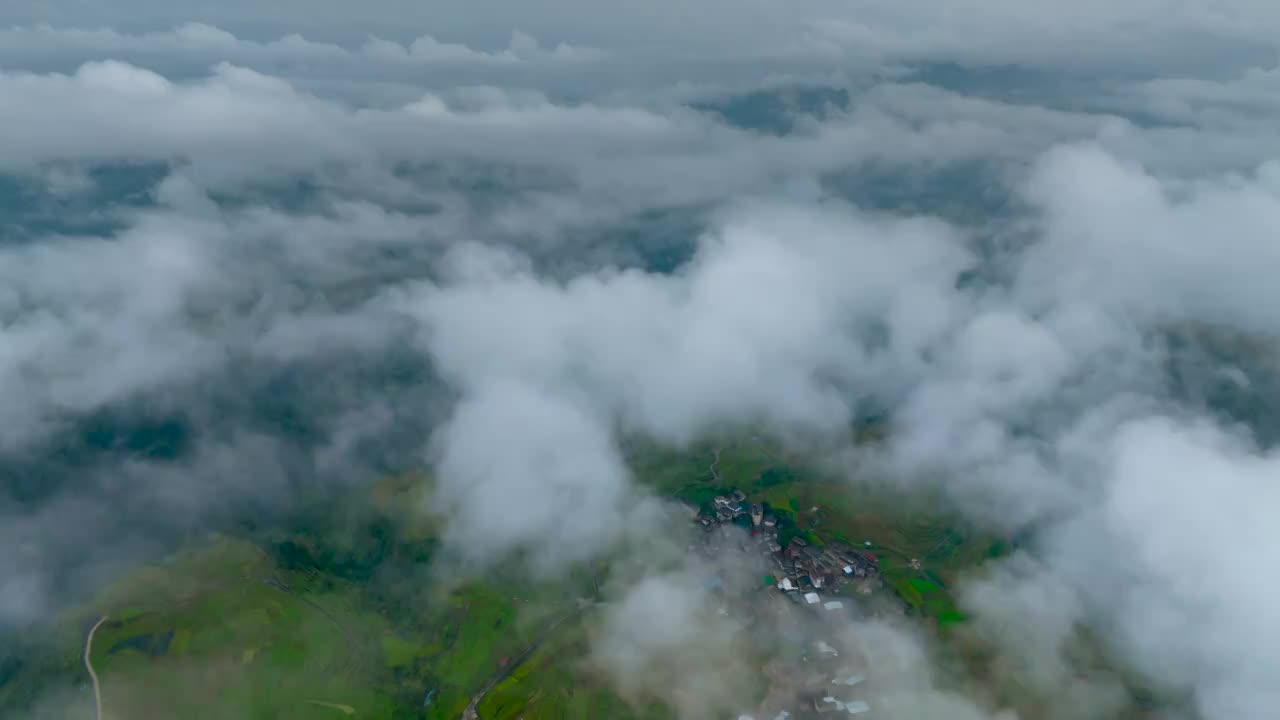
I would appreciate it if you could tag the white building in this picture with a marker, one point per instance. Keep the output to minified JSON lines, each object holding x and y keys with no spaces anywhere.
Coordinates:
{"x":853,"y":707}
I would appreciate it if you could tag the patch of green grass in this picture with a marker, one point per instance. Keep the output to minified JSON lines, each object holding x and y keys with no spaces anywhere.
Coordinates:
{"x":181,"y":641}
{"x":398,"y":652}
{"x":998,"y":549}
{"x":343,"y":611}
{"x":206,"y":635}
{"x":777,"y":476}
{"x":223,"y":632}
{"x":907,"y":590}
{"x":924,"y":586}
{"x":927,"y":597}
{"x":699,"y":494}
{"x":552,"y":685}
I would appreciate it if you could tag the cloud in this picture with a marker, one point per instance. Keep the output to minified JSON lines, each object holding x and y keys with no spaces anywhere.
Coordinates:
{"x":522,"y":48}
{"x":287,"y":244}
{"x":1169,"y":605}
{"x":763,"y":322}
{"x":78,"y":337}
{"x":664,"y":640}
{"x":1142,"y":36}
{"x":704,"y":639}
{"x":1035,"y":622}
{"x":763,"y":328}
{"x":1145,"y":36}
{"x":970,"y":368}
{"x":118,"y":111}
{"x":1120,"y":237}
{"x":1182,"y":611}
{"x":1120,"y":257}
{"x":198,"y":40}
{"x":523,"y":469}
{"x":902,"y":680}
{"x":1070,"y":430}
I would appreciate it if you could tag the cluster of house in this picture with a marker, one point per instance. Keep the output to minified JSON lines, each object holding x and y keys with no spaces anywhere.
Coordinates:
{"x":808,"y":575}
{"x":803,"y":570}
{"x":807,"y":569}
{"x":726,"y":508}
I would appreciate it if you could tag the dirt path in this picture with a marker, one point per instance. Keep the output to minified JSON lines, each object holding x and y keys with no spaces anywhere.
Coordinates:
{"x":471,"y":712}
{"x":344,"y":709}
{"x":88,"y":665}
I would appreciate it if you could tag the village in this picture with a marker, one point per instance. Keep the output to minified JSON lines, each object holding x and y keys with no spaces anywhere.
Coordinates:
{"x":818,"y":582}
{"x":803,"y":572}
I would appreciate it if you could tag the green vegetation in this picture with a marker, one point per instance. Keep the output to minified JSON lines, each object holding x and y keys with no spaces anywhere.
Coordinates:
{"x":925,"y":596}
{"x":221,"y":631}
{"x":343,"y":611}
{"x":819,"y":510}
{"x":545,"y":687}
{"x":342,"y":606}
{"x":398,"y":652}
{"x":777,"y":476}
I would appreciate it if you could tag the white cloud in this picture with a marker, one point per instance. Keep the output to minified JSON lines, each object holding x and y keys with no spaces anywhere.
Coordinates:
{"x":199,"y":40}
{"x":78,"y":331}
{"x":1021,"y":396}
{"x":522,"y":48}
{"x":1143,"y":35}
{"x":1143,"y":569}
{"x":1188,"y":612}
{"x":522,"y":469}
{"x":1008,"y":392}
{"x":664,"y":640}
{"x":1117,"y":237}
{"x":764,"y":324}
{"x":1135,"y":496}
{"x":763,"y":327}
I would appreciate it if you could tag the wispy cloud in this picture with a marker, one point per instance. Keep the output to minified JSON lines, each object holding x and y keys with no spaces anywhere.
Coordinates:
{"x":313,"y":252}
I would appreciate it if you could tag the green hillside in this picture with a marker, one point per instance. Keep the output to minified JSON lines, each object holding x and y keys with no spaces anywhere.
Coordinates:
{"x":344,"y":611}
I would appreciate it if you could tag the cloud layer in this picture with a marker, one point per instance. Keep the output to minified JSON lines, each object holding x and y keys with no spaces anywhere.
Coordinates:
{"x":280,"y":251}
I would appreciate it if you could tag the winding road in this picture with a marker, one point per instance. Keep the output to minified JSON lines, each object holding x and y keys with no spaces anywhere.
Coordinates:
{"x":88,"y":665}
{"x":472,"y":711}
